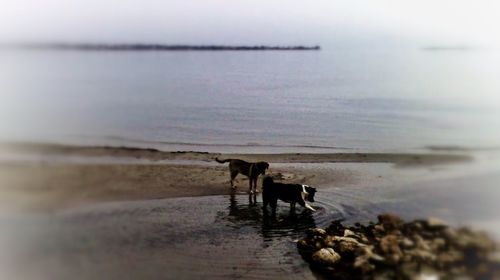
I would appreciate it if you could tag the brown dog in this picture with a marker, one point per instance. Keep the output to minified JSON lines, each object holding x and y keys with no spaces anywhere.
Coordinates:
{"x":250,"y":169}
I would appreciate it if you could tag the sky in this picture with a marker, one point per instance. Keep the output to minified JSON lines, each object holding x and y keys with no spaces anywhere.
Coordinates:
{"x":284,"y":22}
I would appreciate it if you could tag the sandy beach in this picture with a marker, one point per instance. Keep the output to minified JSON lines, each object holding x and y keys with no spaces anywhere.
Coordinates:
{"x":42,"y":176}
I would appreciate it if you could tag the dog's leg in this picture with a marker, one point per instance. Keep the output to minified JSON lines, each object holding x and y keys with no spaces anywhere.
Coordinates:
{"x":307,"y":206}
{"x":255,"y":184}
{"x":250,"y":177}
{"x":310,"y":208}
{"x":250,"y":183}
{"x":264,"y":203}
{"x":273,"y":203}
{"x":233,"y":176}
{"x":252,"y":199}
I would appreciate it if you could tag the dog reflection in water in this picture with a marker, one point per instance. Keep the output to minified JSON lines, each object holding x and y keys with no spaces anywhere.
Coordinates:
{"x":284,"y":223}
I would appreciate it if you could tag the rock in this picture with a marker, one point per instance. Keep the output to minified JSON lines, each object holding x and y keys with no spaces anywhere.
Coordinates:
{"x":368,"y":251}
{"x":346,"y":241}
{"x":392,"y":249}
{"x":422,"y":256}
{"x":312,"y":232}
{"x":378,"y":230}
{"x":459,"y":270}
{"x":466,"y":239}
{"x":390,"y":221}
{"x":435,"y":224}
{"x":427,"y":276}
{"x":330,"y":241}
{"x":347,"y":246}
{"x":390,"y":244}
{"x":413,"y":228}
{"x":420,"y":243}
{"x":311,"y":244}
{"x":407,"y":258}
{"x":319,"y":243}
{"x":438,"y":244}
{"x":335,"y":228}
{"x":343,"y":238}
{"x":449,"y":234}
{"x":326,"y":256}
{"x":445,"y":259}
{"x":304,"y":245}
{"x":363,"y":264}
{"x":350,"y":233}
{"x":495,"y":258}
{"x":406,"y":243}
{"x":363,"y":239}
{"x":408,"y":270}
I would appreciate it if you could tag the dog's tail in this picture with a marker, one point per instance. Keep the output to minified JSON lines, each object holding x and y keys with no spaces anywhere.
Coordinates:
{"x":222,"y":161}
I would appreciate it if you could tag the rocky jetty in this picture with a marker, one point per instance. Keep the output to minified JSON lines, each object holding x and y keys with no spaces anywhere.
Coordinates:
{"x":158,"y":47}
{"x":395,"y":249}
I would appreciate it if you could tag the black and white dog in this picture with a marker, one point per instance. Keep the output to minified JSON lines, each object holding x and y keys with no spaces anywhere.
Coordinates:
{"x":292,"y":193}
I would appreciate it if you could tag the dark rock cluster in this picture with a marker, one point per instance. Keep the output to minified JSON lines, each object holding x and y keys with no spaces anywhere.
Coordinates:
{"x":395,"y":249}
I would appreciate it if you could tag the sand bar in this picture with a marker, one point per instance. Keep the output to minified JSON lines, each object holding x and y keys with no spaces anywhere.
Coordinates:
{"x":44,"y":185}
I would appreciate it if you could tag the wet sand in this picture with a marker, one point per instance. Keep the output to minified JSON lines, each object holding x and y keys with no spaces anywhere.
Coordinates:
{"x":55,"y":186}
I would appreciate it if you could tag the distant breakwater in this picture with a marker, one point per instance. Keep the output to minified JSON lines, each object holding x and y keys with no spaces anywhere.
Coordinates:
{"x":160,"y":47}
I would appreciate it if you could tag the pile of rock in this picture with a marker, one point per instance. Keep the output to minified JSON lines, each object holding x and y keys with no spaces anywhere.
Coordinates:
{"x":394,"y":249}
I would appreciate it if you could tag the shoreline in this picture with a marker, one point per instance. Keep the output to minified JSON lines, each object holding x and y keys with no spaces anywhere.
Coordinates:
{"x":48,"y":177}
{"x":400,"y":159}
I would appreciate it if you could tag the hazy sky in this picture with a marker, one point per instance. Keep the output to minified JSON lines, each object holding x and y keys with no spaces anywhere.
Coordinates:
{"x":251,"y":22}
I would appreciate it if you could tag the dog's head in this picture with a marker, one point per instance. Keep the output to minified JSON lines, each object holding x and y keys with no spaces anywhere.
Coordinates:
{"x":310,"y":193}
{"x":262,"y":166}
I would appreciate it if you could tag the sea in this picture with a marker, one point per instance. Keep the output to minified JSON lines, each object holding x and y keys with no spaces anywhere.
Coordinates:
{"x":362,"y":99}
{"x":332,"y":100}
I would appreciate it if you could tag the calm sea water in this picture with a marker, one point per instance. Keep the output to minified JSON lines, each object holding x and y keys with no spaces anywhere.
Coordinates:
{"x":375,"y":100}
{"x":332,"y":100}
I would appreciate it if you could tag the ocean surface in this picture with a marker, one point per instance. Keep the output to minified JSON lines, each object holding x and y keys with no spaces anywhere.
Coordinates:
{"x":384,"y":100}
{"x":254,"y":101}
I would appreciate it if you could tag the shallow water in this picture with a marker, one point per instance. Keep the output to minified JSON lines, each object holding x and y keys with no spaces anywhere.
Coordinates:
{"x":218,"y":236}
{"x":208,"y":237}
